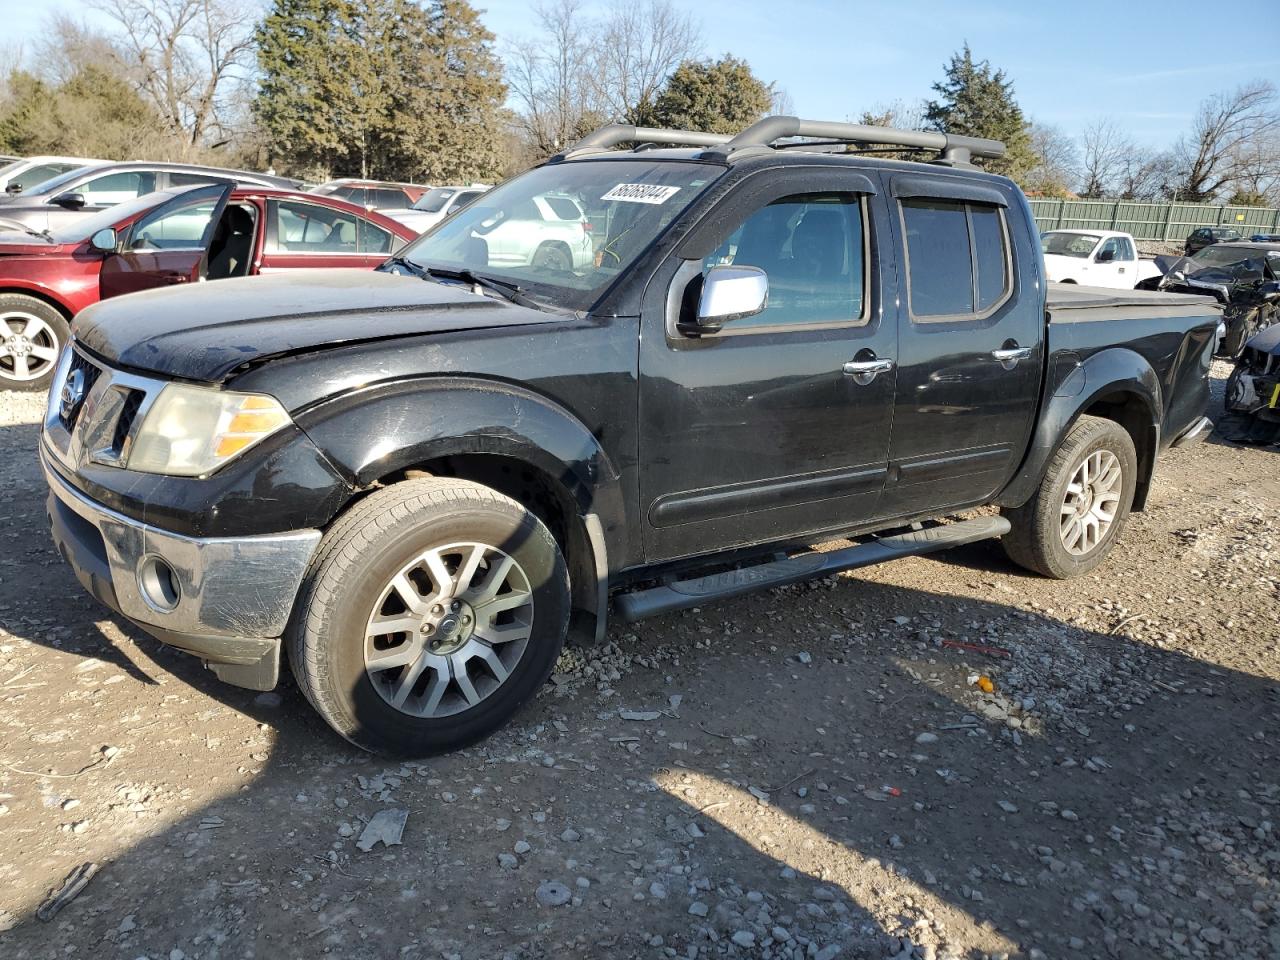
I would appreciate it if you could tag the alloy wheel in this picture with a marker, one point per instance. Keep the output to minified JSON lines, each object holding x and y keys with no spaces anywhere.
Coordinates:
{"x":448,"y":629}
{"x":28,"y":347}
{"x":1091,"y":502}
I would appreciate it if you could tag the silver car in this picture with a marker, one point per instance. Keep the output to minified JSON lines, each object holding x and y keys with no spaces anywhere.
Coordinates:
{"x":435,"y":205}
{"x":550,"y":231}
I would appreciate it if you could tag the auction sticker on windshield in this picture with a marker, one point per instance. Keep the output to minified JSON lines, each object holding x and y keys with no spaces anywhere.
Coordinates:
{"x":641,"y":193}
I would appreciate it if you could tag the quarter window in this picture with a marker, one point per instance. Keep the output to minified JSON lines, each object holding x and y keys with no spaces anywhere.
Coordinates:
{"x":116,"y":188}
{"x":958,"y":258}
{"x":811,"y":246}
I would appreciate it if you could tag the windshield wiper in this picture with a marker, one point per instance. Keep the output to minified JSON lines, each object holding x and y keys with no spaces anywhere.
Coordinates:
{"x":508,"y":291}
{"x":408,"y":264}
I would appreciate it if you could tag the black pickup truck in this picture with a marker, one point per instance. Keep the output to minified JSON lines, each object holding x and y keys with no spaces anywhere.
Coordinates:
{"x":640,"y":379}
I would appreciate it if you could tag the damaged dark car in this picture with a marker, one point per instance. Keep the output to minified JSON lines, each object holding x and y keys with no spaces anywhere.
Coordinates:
{"x":1253,"y":390}
{"x":1243,"y":277}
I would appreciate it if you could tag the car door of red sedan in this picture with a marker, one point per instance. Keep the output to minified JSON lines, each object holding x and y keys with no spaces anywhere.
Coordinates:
{"x":302,"y":234}
{"x":168,"y":245}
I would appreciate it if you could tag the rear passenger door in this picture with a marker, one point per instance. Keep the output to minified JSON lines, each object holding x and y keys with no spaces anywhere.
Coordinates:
{"x":970,"y":345}
{"x":301,"y":234}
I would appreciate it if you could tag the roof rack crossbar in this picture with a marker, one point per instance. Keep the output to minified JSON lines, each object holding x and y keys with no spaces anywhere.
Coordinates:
{"x":954,"y":148}
{"x":614,"y":134}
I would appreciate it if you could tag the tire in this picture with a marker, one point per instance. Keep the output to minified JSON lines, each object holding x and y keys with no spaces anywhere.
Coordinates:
{"x":553,"y":256}
{"x":367,"y":566}
{"x":32,"y":334}
{"x":1039,"y":537}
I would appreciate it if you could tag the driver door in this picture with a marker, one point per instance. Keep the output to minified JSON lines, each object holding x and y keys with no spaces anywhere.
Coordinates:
{"x":168,"y":245}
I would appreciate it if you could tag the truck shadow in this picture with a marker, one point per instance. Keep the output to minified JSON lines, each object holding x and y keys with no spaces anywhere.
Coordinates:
{"x":1135,"y":783}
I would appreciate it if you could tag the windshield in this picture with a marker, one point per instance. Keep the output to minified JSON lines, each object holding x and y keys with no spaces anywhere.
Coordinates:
{"x":11,"y":166}
{"x":565,"y":231}
{"x":433,"y":201}
{"x":1069,"y":244}
{"x":84,"y":227}
{"x":54,"y":185}
{"x":1218,"y":255}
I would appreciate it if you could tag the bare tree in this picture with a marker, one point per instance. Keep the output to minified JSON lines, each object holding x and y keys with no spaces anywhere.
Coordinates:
{"x":1104,"y":150}
{"x":1056,"y":164}
{"x":554,"y":78}
{"x":1210,"y":157}
{"x":640,"y":45}
{"x":577,"y":72}
{"x":187,"y":55}
{"x":1144,"y":174}
{"x":781,"y":102}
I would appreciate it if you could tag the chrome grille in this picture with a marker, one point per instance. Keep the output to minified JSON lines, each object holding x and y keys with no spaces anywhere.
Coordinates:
{"x":101,"y":426}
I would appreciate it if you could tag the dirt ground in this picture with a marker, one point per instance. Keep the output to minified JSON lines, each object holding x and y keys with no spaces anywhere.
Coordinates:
{"x":808,"y":773}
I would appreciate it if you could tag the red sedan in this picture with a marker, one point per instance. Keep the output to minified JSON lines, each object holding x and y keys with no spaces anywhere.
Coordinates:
{"x":183,"y":235}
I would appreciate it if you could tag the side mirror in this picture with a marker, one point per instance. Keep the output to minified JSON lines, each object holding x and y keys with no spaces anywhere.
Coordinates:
{"x":13,"y":188}
{"x":728,"y":293}
{"x":72,"y":201}
{"x":104,"y":241}
{"x":1106,"y":256}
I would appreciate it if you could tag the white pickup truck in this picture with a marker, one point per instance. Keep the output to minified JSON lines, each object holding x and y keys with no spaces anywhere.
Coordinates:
{"x":1095,"y":258}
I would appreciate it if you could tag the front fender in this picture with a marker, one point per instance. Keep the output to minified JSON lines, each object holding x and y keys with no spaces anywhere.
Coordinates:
{"x":372,"y":433}
{"x":1116,"y":374}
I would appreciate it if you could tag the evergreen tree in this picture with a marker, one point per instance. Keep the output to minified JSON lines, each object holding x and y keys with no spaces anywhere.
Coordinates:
{"x":977,"y":101}
{"x":715,"y":97}
{"x":389,"y":89}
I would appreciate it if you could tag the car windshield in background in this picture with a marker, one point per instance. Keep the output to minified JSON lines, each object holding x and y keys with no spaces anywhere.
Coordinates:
{"x":1219,"y":255}
{"x":82,"y":228}
{"x":1069,"y":244}
{"x":564,"y":231}
{"x":433,"y":201}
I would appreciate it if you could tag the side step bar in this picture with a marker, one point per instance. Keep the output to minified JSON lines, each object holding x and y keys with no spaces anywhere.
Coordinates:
{"x":682,"y":594}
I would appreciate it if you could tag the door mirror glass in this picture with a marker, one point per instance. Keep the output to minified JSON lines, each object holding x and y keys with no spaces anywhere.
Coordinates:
{"x":104,"y":241}
{"x":13,"y":187}
{"x":72,"y":201}
{"x":731,"y":293}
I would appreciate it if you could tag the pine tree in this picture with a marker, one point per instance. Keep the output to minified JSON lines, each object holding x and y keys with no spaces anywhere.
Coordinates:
{"x":388,"y":89}
{"x":977,"y":101}
{"x":715,"y":97}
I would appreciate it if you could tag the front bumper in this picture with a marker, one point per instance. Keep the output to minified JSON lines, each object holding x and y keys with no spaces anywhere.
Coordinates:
{"x":225,"y":600}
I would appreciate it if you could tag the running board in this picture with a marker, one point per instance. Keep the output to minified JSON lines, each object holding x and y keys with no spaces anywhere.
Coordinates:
{"x":682,"y":594}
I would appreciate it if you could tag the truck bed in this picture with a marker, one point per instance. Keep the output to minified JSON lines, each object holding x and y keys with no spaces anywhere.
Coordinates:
{"x":1069,"y":302}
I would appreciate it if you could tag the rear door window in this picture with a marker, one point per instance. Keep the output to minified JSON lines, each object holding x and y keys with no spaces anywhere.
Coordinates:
{"x":957,"y":258}
{"x":116,"y":188}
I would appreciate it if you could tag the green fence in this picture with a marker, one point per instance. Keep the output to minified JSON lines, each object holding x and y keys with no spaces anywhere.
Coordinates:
{"x":1164,"y":221}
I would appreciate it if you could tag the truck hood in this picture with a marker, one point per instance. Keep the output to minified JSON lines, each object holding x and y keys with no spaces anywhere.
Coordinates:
{"x":205,"y":332}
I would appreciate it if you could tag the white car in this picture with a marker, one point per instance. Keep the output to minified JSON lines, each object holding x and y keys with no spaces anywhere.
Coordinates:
{"x":24,"y":174}
{"x":549,"y":231}
{"x":1094,"y":258}
{"x":435,"y":205}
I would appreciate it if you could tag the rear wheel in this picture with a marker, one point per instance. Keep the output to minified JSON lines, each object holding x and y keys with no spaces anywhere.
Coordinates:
{"x":1071,"y":523}
{"x":32,"y":334}
{"x":435,"y":608}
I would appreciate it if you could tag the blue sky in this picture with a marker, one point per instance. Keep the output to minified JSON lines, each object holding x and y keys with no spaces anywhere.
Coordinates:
{"x":1071,"y":63}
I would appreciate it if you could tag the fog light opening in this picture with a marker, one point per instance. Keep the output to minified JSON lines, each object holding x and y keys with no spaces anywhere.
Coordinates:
{"x":159,"y":584}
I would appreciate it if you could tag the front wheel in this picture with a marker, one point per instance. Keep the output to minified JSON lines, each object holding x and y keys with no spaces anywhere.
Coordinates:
{"x":1072,"y":521}
{"x":32,"y":334}
{"x":434,"y":609}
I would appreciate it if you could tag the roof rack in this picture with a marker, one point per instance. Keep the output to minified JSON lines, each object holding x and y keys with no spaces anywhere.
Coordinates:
{"x":952,"y":149}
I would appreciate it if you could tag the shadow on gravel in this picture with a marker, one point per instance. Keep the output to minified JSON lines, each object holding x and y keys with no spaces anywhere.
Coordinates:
{"x":1135,"y":789}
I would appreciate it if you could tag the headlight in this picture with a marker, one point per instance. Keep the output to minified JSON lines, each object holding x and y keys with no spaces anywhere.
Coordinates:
{"x":190,"y":431}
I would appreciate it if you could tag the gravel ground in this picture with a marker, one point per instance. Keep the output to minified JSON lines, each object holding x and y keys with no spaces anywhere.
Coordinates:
{"x":943,"y":757}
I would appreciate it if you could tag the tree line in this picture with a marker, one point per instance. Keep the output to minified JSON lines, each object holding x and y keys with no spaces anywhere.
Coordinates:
{"x":420,"y":90}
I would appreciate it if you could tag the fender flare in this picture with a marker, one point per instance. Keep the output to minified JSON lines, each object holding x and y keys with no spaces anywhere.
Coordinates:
{"x":382,"y":429}
{"x":1114,"y":371}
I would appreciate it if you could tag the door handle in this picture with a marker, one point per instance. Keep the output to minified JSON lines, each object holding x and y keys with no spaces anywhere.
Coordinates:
{"x":175,"y":278}
{"x":1011,"y":354}
{"x":865,"y":370}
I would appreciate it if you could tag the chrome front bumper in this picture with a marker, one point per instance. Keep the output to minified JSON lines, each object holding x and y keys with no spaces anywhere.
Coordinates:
{"x":226,"y":600}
